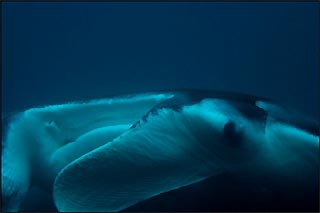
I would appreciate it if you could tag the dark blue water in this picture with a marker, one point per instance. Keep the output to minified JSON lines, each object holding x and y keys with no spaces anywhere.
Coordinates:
{"x":59,"y":52}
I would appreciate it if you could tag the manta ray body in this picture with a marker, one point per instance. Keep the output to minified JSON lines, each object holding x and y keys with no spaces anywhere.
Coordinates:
{"x":113,"y":153}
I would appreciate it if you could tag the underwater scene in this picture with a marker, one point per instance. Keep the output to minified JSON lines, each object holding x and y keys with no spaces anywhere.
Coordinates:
{"x":160,"y":106}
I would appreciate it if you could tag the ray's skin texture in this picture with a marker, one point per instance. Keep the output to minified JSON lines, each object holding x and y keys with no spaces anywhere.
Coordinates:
{"x":141,"y":151}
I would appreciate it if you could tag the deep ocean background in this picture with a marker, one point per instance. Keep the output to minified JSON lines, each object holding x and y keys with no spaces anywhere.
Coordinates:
{"x":58,"y":52}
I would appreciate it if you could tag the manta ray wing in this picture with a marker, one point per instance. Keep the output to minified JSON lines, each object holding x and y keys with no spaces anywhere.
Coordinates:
{"x":40,"y":141}
{"x":156,"y":156}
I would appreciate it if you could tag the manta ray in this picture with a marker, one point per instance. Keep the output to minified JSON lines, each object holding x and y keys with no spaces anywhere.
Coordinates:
{"x":113,"y":153}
